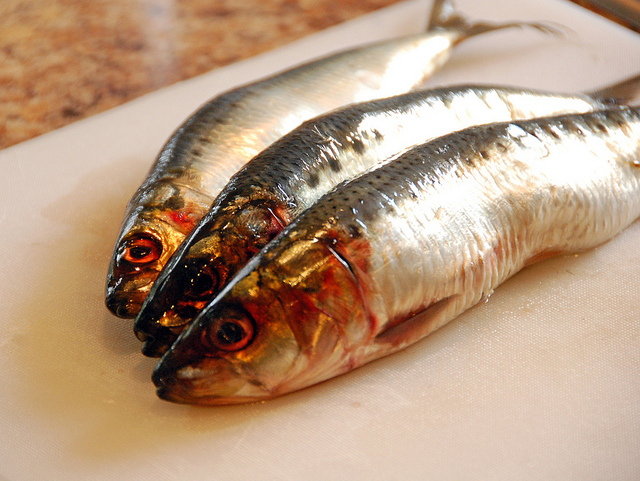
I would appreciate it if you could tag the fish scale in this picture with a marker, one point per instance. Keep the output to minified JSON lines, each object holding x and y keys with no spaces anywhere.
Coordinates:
{"x":501,"y":182}
{"x":295,"y":171}
{"x":226,"y":132}
{"x":389,"y":257}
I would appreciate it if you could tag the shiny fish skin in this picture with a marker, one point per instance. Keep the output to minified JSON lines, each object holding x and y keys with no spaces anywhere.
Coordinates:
{"x":225,"y":133}
{"x":295,"y":171}
{"x":385,"y":259}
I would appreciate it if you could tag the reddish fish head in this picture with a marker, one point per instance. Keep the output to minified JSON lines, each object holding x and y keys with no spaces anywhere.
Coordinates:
{"x":154,"y":227}
{"x":291,"y":318}
{"x":224,"y":242}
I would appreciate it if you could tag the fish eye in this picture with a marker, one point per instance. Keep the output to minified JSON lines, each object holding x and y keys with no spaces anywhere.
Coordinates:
{"x":142,"y":250}
{"x":229,"y":333}
{"x":202,"y":282}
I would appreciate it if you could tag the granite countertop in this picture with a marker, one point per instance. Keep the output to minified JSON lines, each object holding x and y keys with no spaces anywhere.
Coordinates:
{"x":64,"y":60}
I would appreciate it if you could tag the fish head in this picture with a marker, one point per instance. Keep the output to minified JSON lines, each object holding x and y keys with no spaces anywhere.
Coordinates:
{"x":155,"y":224}
{"x":283,"y":323}
{"x":223,"y":242}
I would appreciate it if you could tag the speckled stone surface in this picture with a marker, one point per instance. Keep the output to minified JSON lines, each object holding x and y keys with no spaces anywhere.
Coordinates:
{"x":64,"y":60}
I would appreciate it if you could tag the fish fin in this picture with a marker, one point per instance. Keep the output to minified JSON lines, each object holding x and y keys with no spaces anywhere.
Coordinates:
{"x":414,"y":327}
{"x":445,"y":16}
{"x":543,"y":256}
{"x":626,"y":92}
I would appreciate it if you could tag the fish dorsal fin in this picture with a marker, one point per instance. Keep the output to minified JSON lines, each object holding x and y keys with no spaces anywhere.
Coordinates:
{"x":445,"y":16}
{"x":626,"y":92}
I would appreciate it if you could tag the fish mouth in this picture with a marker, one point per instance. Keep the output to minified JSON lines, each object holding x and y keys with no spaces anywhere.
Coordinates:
{"x":157,"y":337}
{"x":207,"y":382}
{"x":158,"y":343}
{"x":125,"y":305}
{"x":125,"y":299}
{"x":180,"y":396}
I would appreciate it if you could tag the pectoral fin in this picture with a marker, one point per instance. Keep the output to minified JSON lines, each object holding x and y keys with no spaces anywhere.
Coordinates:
{"x":414,"y":327}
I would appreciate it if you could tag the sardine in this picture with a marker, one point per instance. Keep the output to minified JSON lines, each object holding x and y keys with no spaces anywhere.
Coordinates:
{"x":226,"y":132}
{"x":295,"y":171}
{"x":386,"y":259}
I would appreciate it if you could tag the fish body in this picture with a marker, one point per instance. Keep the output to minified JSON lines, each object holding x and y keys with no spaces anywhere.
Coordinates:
{"x":387,"y":258}
{"x":296,"y":170}
{"x":225,"y":133}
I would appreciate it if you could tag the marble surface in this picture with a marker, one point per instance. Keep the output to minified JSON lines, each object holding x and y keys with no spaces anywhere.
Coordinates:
{"x":64,"y":60}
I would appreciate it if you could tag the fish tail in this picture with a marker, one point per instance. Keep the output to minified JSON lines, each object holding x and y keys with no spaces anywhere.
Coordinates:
{"x":445,"y":16}
{"x":626,"y":92}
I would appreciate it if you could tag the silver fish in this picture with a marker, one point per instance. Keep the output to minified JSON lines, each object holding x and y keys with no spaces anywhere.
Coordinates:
{"x":386,"y":259}
{"x":295,"y":171}
{"x":226,"y":132}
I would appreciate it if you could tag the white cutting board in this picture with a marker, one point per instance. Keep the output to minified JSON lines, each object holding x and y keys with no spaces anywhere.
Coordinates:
{"x":541,"y":382}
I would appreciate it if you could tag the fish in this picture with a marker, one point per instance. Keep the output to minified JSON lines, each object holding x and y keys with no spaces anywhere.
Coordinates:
{"x":226,"y":132}
{"x":389,"y":257}
{"x":296,"y":170}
